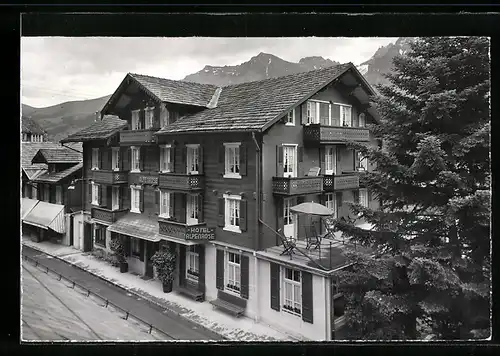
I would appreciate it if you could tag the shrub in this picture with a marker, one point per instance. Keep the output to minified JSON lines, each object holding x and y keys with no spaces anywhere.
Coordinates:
{"x":164,"y":262}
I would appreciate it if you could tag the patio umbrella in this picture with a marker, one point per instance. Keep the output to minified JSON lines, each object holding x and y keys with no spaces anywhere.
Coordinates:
{"x":311,"y":208}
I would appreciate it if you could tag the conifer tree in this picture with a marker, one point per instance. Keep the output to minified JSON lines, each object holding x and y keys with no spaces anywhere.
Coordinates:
{"x":429,"y":273}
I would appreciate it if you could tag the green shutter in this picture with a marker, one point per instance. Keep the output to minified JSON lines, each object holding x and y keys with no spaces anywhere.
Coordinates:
{"x":275,"y":286}
{"x":219,"y":270}
{"x":307,"y":297}
{"x":244,"y":276}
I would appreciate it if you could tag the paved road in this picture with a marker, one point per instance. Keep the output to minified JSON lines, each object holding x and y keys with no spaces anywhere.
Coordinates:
{"x":173,"y":325}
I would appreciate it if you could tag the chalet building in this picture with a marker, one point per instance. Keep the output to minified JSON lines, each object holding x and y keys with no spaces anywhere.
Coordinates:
{"x":31,"y":131}
{"x":47,"y":204}
{"x":213,"y":172}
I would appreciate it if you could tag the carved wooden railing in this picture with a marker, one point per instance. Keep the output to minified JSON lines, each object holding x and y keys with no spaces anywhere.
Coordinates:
{"x":106,"y":215}
{"x":129,"y":137}
{"x":296,"y":186}
{"x":316,"y":133}
{"x":110,"y":177}
{"x":340,"y":182}
{"x":177,"y":181}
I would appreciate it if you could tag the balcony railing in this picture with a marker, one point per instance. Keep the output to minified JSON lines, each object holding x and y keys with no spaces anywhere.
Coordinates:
{"x":131,"y":137}
{"x":316,"y":133}
{"x":177,"y":181}
{"x":340,"y":182}
{"x":175,"y":229}
{"x":106,"y":215}
{"x":110,"y":177}
{"x":296,"y":186}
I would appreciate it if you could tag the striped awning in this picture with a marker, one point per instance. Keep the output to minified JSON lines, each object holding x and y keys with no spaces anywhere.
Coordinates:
{"x":47,"y":216}
{"x":27,"y":205}
{"x":138,"y":226}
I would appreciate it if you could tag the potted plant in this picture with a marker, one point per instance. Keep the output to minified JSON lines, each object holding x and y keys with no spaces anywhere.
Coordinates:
{"x":119,"y":252}
{"x":164,"y":263}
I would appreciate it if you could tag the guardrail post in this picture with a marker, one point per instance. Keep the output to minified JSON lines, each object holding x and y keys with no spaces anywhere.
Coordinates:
{"x":150,"y":328}
{"x":88,"y":292}
{"x":47,"y":270}
{"x":60,"y":276}
{"x":36,"y":263}
{"x":73,"y":285}
{"x":126,"y":318}
{"x":107,"y":302}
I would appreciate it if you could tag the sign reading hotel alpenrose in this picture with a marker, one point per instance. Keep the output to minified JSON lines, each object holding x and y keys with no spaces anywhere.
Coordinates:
{"x":200,"y":233}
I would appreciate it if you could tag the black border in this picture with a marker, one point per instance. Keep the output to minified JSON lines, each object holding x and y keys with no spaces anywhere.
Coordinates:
{"x":44,"y":20}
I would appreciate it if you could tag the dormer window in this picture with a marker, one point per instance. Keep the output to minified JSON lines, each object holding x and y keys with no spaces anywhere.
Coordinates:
{"x":149,"y":115}
{"x":136,"y":120}
{"x":290,"y":118}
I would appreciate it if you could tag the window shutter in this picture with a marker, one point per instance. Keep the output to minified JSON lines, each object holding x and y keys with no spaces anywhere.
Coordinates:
{"x":52,"y":194}
{"x":221,"y":219}
{"x":120,"y":160}
{"x":182,"y":210}
{"x":141,"y":249}
{"x":243,"y":159}
{"x":307,"y":297}
{"x":172,"y":159}
{"x":303,"y":113}
{"x":158,"y":160}
{"x":244,"y":276}
{"x":102,"y":195}
{"x":141,"y":199}
{"x":355,"y":121}
{"x":182,"y":265}
{"x":121,"y":193}
{"x":243,"y":215}
{"x":335,"y":115}
{"x":157,"y":201}
{"x":89,"y":187}
{"x":200,"y":208}
{"x":280,"y":220}
{"x":142,"y":156}
{"x":200,"y":159}
{"x":275,"y":286}
{"x":222,"y":158}
{"x":162,"y":157}
{"x":201,"y":264}
{"x":322,"y":199}
{"x":183,"y":159}
{"x":101,"y":156}
{"x":300,"y":160}
{"x":156,"y":118}
{"x":279,"y":161}
{"x":128,"y":159}
{"x":89,"y":159}
{"x":142,"y":119}
{"x":171,"y":207}
{"x":322,"y":159}
{"x":338,"y":196}
{"x":219,"y":270}
{"x":109,"y":196}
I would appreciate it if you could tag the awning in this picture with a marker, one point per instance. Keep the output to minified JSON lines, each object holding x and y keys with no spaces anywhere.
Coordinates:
{"x":138,"y":226}
{"x":47,"y":216}
{"x":27,"y":205}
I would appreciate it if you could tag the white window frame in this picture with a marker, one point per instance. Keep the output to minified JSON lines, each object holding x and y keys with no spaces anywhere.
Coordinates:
{"x":363,"y":162}
{"x":165,"y":209}
{"x":362,"y":115}
{"x":228,"y":226}
{"x":190,"y":157}
{"x":235,"y":268}
{"x":59,"y":194}
{"x":290,"y":118}
{"x":95,"y":159}
{"x":136,"y":159}
{"x":333,"y":160}
{"x":165,"y":158}
{"x":192,"y":208}
{"x":115,"y":158}
{"x":96,"y":191}
{"x":115,"y":198}
{"x":227,"y":164}
{"x":149,"y":117}
{"x":295,"y":299}
{"x":136,"y":119}
{"x":331,"y":203}
{"x":192,"y":264}
{"x":363,"y":197}
{"x":295,"y":160}
{"x":310,"y":118}
{"x":135,"y":199}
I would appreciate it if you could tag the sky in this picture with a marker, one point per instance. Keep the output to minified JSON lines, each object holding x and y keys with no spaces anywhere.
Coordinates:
{"x":60,"y":69}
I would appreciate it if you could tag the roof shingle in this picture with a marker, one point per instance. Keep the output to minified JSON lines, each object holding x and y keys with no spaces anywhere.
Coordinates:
{"x":30,"y":149}
{"x":57,"y":155}
{"x":177,"y":92}
{"x":250,"y":106}
{"x":57,"y":176}
{"x":101,"y":129}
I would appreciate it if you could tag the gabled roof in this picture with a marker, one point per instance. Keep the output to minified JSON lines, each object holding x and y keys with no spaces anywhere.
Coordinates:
{"x":256,"y":105}
{"x":99,"y":130}
{"x":30,"y":126}
{"x":57,"y":155}
{"x":57,"y":176}
{"x":30,"y":149}
{"x":32,"y":173}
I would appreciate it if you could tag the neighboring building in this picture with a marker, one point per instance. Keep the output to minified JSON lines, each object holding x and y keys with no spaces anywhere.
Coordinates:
{"x":31,"y":131}
{"x":232,"y":160}
{"x":50,"y":191}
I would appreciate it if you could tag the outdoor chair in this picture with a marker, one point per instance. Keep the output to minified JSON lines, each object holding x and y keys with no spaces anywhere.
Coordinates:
{"x":288,"y":244}
{"x":313,"y":172}
{"x":312,"y":237}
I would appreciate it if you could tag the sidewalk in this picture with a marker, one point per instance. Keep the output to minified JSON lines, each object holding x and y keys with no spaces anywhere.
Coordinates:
{"x":233,"y":329}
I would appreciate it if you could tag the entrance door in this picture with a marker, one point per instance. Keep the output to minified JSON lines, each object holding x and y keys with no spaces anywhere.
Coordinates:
{"x":150,"y":251}
{"x":192,"y":209}
{"x":289,"y":161}
{"x":87,"y":237}
{"x":290,"y":218}
{"x":71,"y":232}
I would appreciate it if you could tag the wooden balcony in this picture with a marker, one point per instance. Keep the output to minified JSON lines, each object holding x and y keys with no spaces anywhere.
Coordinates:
{"x":184,"y":182}
{"x":137,"y":137}
{"x":316,"y":134}
{"x":175,"y":229}
{"x":110,"y":177}
{"x":106,"y":215}
{"x":340,"y":182}
{"x":297,"y":186}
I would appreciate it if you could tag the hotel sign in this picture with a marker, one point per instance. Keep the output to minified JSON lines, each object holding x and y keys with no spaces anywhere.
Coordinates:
{"x":200,"y":233}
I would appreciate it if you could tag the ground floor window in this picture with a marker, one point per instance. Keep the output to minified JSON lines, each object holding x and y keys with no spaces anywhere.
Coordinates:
{"x":233,"y":281}
{"x":100,"y":235}
{"x":292,"y":287}
{"x":135,"y":248}
{"x":192,"y":264}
